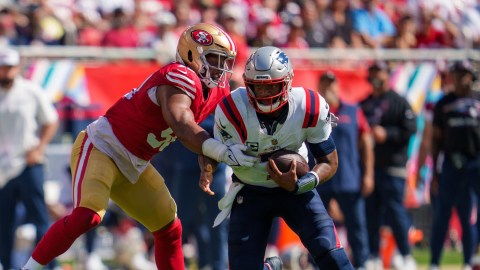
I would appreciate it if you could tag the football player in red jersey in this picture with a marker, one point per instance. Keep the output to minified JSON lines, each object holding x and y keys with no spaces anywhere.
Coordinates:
{"x":110,"y":159}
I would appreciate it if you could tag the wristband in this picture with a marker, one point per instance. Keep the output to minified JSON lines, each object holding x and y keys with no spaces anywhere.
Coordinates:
{"x":306,"y":183}
{"x":214,"y":149}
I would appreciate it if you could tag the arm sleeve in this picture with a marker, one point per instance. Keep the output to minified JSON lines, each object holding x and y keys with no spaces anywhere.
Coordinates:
{"x":322,"y":149}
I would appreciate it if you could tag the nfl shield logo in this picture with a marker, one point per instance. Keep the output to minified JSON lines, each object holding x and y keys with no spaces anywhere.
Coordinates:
{"x":240,"y":199}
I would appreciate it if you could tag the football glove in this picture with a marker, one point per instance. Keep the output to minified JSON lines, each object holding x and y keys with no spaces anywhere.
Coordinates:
{"x":231,"y":155}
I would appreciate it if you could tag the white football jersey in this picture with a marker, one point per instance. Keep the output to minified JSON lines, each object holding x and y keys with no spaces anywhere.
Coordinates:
{"x":236,"y":122}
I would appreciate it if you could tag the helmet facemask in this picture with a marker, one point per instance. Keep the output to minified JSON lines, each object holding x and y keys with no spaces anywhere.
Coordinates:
{"x":216,"y":69}
{"x":270,"y":103}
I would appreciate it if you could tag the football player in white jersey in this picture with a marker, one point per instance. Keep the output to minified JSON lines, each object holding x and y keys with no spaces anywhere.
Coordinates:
{"x":111,"y":158}
{"x":267,"y":115}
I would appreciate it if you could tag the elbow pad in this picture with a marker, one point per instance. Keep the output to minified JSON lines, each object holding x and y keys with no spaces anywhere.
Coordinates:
{"x":306,"y":183}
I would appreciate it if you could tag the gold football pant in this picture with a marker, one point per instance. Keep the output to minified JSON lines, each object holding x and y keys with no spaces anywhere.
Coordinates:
{"x":96,"y":178}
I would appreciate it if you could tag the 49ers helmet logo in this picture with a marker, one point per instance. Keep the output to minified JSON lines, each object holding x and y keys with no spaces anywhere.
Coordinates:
{"x":202,"y":37}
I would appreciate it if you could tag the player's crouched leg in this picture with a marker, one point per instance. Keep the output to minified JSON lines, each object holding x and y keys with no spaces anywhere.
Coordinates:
{"x":168,"y":246}
{"x":335,"y":259}
{"x":63,"y":233}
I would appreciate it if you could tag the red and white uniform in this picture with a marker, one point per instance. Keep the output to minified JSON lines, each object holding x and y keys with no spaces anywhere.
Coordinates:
{"x":133,"y":129}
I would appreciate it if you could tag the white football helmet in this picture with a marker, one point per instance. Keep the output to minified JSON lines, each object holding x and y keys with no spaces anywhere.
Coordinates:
{"x":268,"y":65}
{"x":209,"y":51}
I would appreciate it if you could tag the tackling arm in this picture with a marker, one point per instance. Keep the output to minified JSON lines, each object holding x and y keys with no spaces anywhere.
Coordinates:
{"x":177,"y":113}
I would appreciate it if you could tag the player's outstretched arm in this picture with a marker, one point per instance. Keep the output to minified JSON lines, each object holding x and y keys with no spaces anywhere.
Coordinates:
{"x":176,"y":111}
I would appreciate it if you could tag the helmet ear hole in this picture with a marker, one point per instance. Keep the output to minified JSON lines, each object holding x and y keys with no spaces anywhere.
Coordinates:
{"x":190,"y":56}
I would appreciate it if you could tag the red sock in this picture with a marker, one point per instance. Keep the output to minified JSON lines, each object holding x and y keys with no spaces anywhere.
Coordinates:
{"x":63,"y":233}
{"x":168,"y":247}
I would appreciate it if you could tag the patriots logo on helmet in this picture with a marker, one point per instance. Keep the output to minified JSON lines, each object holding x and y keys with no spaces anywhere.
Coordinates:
{"x":282,"y":58}
{"x":202,"y":37}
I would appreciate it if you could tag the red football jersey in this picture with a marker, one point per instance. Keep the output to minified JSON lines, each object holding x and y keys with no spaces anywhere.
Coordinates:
{"x":138,"y":122}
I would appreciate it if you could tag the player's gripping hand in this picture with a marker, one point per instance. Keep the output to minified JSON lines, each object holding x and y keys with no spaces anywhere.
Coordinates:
{"x":287,"y":180}
{"x":232,"y":155}
{"x":207,"y":167}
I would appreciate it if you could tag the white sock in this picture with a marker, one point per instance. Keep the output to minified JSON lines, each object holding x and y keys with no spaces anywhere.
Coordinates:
{"x":32,"y":265}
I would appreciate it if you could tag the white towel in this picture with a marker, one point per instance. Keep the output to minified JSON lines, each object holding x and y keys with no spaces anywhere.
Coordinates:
{"x":225,"y":204}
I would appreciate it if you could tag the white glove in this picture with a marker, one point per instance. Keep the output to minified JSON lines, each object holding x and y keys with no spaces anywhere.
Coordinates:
{"x":232,"y":155}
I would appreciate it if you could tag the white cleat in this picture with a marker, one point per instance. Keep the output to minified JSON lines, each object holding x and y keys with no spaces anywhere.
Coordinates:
{"x":94,"y":262}
{"x":409,"y":263}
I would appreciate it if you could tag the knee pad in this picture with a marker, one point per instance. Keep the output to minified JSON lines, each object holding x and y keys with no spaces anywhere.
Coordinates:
{"x":80,"y":221}
{"x":335,"y":259}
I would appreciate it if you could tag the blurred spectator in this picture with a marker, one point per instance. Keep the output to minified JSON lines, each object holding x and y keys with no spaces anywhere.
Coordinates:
{"x":295,"y":37}
{"x":29,"y":122}
{"x":231,"y":19}
{"x":264,"y":35}
{"x":89,"y":32}
{"x":166,"y":39}
{"x":40,"y":26}
{"x":186,"y":14}
{"x":373,"y":25}
{"x":354,"y":177}
{"x":456,"y":133}
{"x":122,"y":32}
{"x":424,"y":151}
{"x":208,"y":12}
{"x":393,"y":122}
{"x":338,"y":23}
{"x":434,"y":31}
{"x":266,"y":25}
{"x":196,"y":209}
{"x":314,"y":31}
{"x":8,"y":34}
{"x":405,"y":37}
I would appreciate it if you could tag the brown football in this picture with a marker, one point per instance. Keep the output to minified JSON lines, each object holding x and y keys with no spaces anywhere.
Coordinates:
{"x":283,"y":160}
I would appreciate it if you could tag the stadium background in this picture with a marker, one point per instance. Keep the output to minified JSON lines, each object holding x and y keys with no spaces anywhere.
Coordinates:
{"x":84,"y":75}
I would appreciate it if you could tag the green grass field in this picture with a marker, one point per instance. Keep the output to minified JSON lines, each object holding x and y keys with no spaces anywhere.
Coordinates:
{"x":449,"y":257}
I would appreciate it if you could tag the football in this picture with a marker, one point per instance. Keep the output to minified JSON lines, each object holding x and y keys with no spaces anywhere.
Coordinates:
{"x":283,"y":159}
